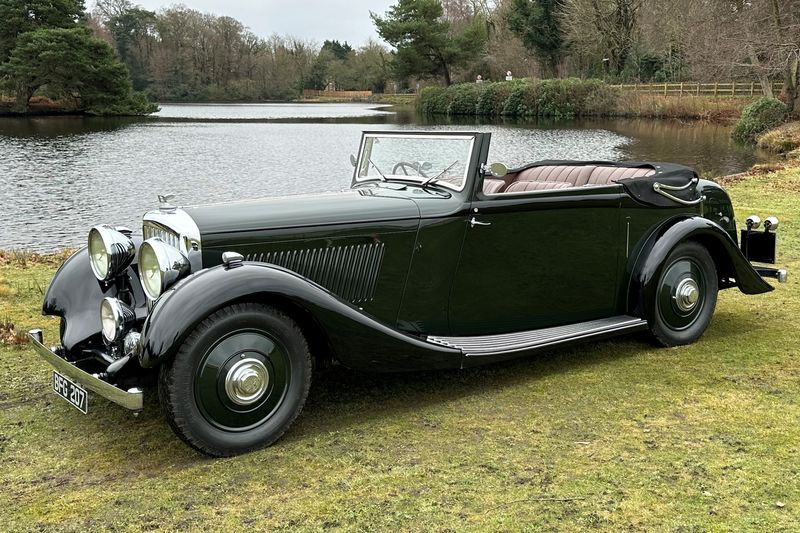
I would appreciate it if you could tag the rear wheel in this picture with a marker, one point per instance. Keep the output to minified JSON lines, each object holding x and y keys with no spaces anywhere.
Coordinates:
{"x":238,"y":382}
{"x":686,"y":296}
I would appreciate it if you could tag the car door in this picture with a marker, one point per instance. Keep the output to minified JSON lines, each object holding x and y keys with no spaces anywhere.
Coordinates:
{"x":537,"y":259}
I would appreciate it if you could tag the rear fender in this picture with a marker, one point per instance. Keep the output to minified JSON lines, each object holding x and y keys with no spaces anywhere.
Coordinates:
{"x":356,"y":339}
{"x":732,"y":266}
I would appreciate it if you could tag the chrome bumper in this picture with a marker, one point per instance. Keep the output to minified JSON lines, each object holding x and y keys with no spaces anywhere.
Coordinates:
{"x":132,"y":399}
{"x":780,"y":274}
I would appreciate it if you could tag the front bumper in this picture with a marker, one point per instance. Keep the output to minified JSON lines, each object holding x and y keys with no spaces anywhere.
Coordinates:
{"x":132,"y":399}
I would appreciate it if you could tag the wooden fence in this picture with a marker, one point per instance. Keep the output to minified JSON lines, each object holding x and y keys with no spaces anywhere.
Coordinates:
{"x":730,"y":89}
{"x":311,"y":93}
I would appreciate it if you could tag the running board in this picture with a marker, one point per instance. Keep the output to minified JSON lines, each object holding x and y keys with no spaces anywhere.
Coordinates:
{"x":523,"y":341}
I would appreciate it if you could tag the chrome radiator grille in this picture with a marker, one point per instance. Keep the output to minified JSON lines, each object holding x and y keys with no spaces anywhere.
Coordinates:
{"x":350,"y":272}
{"x":150,"y":231}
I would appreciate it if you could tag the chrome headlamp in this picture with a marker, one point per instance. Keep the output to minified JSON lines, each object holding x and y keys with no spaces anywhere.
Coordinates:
{"x":110,"y":252}
{"x":116,"y":319}
{"x":160,"y":265}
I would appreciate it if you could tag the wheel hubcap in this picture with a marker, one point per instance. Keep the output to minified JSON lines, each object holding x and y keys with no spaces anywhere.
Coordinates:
{"x":242,"y":380}
{"x":681,"y":294}
{"x":687,"y":293}
{"x":246,"y":382}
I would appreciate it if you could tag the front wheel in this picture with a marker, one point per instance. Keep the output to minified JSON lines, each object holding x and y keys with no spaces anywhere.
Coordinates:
{"x":685,"y":297}
{"x":238,"y":381}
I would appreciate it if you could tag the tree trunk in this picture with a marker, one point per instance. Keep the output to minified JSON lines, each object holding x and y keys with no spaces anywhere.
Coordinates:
{"x":763,"y":78}
{"x":446,"y":73}
{"x":791,"y":79}
{"x":23,"y":98}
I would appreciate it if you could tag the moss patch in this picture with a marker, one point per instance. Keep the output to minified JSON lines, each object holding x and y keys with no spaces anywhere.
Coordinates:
{"x":617,"y":435}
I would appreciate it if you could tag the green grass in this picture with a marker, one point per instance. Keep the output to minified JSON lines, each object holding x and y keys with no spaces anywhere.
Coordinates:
{"x":617,"y":435}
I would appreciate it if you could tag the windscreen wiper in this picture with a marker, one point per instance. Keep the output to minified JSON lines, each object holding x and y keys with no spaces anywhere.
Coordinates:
{"x":383,"y":177}
{"x":439,"y":175}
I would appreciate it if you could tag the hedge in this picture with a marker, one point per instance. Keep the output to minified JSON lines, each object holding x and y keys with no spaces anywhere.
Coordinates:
{"x":567,"y":98}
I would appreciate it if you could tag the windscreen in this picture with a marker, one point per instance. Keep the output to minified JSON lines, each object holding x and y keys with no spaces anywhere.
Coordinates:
{"x":443,"y":159}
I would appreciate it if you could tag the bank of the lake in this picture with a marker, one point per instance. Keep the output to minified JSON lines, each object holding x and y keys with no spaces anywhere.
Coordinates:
{"x":571,"y":98}
{"x":783,"y":140}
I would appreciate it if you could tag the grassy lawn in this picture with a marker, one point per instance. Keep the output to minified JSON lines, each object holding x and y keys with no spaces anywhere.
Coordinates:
{"x":616,"y":435}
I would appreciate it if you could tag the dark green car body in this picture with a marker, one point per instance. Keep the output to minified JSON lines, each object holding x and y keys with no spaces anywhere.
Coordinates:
{"x":399,"y":274}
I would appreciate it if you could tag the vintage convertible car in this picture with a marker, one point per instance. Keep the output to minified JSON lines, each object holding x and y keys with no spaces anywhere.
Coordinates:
{"x":431,"y":260}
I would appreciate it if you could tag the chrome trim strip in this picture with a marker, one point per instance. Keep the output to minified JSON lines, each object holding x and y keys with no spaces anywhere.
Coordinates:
{"x":628,"y":238}
{"x":132,"y":399}
{"x":542,"y":338}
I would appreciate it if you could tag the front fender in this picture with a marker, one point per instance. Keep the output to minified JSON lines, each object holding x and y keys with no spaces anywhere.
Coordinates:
{"x":731,"y":263}
{"x":75,"y":294}
{"x":357,"y":340}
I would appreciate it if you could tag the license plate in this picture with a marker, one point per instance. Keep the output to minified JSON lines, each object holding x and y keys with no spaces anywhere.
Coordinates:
{"x":71,"y":391}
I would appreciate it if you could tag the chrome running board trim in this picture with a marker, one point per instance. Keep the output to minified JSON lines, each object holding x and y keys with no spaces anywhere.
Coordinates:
{"x":539,"y":338}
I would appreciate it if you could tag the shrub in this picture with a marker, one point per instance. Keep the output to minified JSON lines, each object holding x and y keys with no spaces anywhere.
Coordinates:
{"x":463,"y":98}
{"x":762,"y":115}
{"x":554,"y":99}
{"x":432,"y":101}
{"x":522,"y":102}
{"x":522,"y":98}
{"x":594,"y":97}
{"x":493,"y":98}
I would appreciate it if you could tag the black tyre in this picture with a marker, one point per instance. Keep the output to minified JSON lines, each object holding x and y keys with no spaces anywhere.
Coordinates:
{"x":238,"y":382}
{"x":686,"y":296}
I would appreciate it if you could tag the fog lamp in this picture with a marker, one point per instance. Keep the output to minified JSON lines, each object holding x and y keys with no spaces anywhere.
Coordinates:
{"x":116,"y":319}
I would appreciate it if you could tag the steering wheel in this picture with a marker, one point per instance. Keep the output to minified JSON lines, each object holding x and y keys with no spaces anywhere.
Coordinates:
{"x":403,"y":165}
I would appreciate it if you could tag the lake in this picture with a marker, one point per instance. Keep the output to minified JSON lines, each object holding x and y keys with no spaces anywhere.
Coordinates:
{"x":61,"y":175}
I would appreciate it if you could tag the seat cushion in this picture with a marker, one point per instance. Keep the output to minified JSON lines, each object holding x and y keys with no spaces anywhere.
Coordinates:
{"x":575,"y":175}
{"x":493,"y":186}
{"x":523,"y":186}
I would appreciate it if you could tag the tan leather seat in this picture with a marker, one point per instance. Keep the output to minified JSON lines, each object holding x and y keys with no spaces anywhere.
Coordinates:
{"x":493,"y":186}
{"x":523,"y":186}
{"x":575,"y":175}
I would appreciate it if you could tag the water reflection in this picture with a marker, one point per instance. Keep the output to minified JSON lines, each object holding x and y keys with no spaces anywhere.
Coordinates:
{"x":59,"y":176}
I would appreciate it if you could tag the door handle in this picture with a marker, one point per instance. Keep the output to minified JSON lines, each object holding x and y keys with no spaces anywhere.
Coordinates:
{"x":474,"y":222}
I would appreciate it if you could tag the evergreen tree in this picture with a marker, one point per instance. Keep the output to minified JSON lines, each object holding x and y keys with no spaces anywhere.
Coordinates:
{"x":73,"y":64}
{"x":539,"y":25}
{"x":20,"y":16}
{"x":424,"y":41}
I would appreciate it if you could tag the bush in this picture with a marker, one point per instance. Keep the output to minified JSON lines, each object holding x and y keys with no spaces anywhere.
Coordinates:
{"x":555,"y":100}
{"x":433,"y":101}
{"x":762,"y":115}
{"x":463,"y":98}
{"x":493,"y":98}
{"x":522,"y":102}
{"x":547,"y":98}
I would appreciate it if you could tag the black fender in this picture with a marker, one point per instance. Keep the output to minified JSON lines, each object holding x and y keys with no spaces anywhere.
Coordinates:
{"x":733,"y":267}
{"x":75,"y":295}
{"x":356,"y":339}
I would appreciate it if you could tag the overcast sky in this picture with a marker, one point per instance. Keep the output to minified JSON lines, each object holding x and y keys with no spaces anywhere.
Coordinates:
{"x":343,"y":20}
